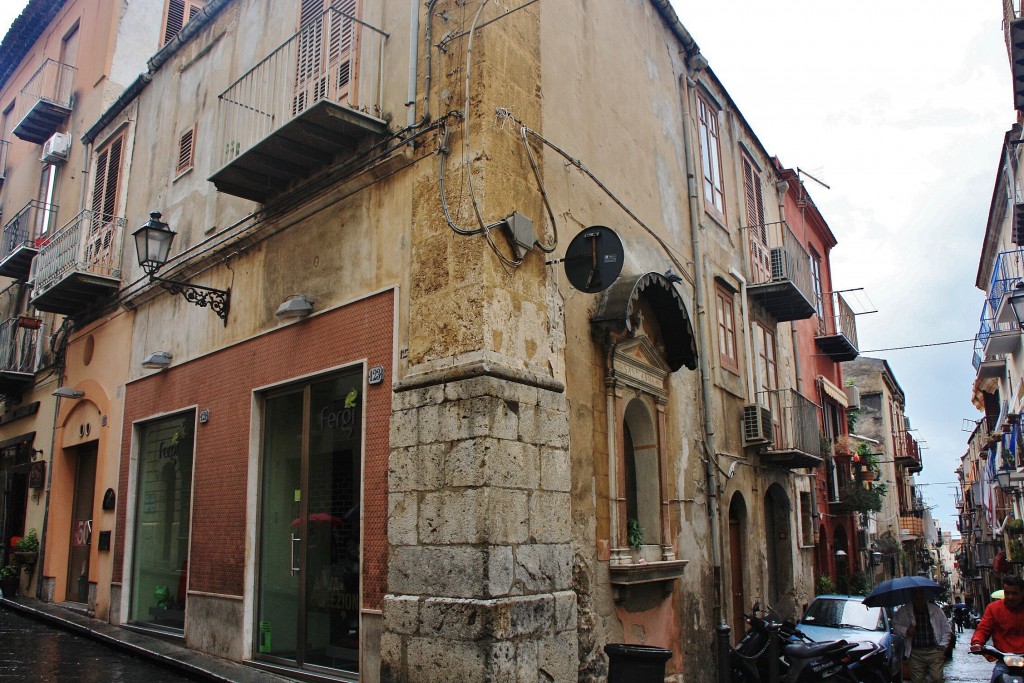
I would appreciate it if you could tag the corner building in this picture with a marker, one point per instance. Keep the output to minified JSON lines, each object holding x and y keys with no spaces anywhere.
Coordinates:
{"x":370,"y":429}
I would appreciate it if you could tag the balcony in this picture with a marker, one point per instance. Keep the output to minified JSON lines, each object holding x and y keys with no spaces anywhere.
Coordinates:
{"x":907,"y":452}
{"x":837,"y":330}
{"x":19,"y":337}
{"x":22,"y":237}
{"x":998,"y":331}
{"x":314,"y":102}
{"x":79,"y":265}
{"x":45,"y":101}
{"x":911,"y":528}
{"x":797,"y":439}
{"x":786,"y":289}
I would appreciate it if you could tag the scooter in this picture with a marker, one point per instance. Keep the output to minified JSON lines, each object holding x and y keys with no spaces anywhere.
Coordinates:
{"x":779,"y":651}
{"x":1014,"y":664}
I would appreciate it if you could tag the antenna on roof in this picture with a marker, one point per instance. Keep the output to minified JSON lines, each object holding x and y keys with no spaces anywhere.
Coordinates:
{"x":800,"y":171}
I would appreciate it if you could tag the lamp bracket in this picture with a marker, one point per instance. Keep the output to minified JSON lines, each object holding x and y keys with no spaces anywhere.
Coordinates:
{"x":218,"y":300}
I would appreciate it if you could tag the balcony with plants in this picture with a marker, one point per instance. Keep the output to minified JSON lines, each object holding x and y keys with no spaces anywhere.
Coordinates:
{"x":314,"y":101}
{"x":45,"y":102}
{"x":837,"y":329}
{"x":785,"y":288}
{"x":22,"y":237}
{"x":80,"y":265}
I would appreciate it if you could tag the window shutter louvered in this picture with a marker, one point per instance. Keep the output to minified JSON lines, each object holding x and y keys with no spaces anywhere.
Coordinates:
{"x":186,"y":148}
{"x":175,"y":18}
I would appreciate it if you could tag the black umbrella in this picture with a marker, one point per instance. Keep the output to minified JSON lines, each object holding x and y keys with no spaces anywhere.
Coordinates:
{"x":898,"y":591}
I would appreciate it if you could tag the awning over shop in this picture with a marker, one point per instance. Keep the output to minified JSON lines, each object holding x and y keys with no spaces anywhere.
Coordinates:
{"x":833,"y":392}
{"x":618,"y":310}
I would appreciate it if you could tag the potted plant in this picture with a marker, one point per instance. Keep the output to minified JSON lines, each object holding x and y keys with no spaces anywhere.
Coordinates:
{"x":26,"y":549}
{"x":9,"y":581}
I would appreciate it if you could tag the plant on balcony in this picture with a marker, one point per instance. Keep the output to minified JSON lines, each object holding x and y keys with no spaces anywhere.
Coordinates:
{"x":1015,"y":549}
{"x":844,"y":445}
{"x":868,"y":498}
{"x":1015,"y":526}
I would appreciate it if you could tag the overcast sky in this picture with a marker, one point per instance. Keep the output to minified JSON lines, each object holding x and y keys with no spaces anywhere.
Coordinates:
{"x":901,"y":108}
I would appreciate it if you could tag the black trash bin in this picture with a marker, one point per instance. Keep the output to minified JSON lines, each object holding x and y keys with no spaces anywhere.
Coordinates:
{"x":636,"y":663}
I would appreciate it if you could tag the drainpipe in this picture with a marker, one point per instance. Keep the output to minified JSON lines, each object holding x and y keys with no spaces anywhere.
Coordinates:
{"x":710,"y":450}
{"x":748,"y":347}
{"x":414,"y":57}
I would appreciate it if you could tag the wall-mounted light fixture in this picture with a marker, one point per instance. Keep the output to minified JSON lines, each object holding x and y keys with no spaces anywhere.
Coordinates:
{"x":158,"y":360}
{"x":1016,"y":302}
{"x":68,"y":392}
{"x":295,"y":306}
{"x":153,"y":245}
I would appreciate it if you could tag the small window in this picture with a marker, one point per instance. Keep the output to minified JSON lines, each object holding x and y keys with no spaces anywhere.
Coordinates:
{"x":726,"y":329}
{"x":186,"y":150}
{"x":711,"y":156}
{"x":179,"y":13}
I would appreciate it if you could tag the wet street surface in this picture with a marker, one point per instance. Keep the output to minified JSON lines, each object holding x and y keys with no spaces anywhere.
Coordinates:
{"x":965,"y":667}
{"x":33,"y":651}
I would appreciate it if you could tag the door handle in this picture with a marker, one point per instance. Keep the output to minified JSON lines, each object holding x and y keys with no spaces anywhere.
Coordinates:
{"x":293,"y":556}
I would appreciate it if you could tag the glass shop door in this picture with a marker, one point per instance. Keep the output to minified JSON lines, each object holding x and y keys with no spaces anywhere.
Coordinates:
{"x":309,"y":561}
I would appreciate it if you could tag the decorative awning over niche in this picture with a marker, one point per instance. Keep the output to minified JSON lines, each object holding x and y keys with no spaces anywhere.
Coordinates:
{"x":617,"y":313}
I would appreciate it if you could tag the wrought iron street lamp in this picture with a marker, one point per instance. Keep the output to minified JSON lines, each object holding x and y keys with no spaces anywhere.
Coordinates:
{"x":153,"y":245}
{"x":1016,"y":302}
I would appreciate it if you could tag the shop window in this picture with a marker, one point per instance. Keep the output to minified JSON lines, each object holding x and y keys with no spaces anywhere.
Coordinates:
{"x":162,"y":522}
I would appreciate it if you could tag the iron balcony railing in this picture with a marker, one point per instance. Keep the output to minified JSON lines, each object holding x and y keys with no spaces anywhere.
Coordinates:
{"x":18,"y":344}
{"x":28,"y":228}
{"x":796,"y":421}
{"x":90,"y":243}
{"x":842,"y":318}
{"x":52,"y":82}
{"x":788,"y":261}
{"x":338,"y":58}
{"x":1007,"y":274}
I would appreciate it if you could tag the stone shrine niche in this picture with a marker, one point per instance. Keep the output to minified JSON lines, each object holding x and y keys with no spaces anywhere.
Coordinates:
{"x":642,"y":323}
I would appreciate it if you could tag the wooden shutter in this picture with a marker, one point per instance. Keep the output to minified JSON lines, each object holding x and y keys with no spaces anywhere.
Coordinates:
{"x":108,"y":171}
{"x":179,"y":12}
{"x":186,"y":150}
{"x":760,"y":256}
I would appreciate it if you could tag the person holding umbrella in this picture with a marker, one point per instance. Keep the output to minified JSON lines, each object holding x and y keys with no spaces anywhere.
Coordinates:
{"x":921,"y":623}
{"x":926,"y":630}
{"x":1003,"y":621}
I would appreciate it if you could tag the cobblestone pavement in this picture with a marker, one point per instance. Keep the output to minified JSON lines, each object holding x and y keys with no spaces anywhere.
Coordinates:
{"x":965,"y":667}
{"x":32,"y":651}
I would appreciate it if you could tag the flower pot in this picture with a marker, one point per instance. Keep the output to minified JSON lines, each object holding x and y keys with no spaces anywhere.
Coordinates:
{"x":25,"y":557}
{"x":29,"y":322}
{"x":9,"y":586}
{"x":866,"y":475}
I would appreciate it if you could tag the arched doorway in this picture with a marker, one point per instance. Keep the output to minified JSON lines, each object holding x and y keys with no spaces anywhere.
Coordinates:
{"x":737,"y":560}
{"x":778,"y":532}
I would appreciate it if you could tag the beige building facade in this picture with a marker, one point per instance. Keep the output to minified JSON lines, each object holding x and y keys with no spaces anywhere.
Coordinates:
{"x":373,"y":417}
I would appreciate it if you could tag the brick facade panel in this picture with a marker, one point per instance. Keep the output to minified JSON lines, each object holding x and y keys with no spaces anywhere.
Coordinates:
{"x":222,"y":382}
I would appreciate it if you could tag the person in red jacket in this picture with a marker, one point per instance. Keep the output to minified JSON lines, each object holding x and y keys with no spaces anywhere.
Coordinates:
{"x":1003,"y":621}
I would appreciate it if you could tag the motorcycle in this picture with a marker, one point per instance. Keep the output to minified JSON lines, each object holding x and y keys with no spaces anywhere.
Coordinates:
{"x":779,"y":651}
{"x":1014,"y":664}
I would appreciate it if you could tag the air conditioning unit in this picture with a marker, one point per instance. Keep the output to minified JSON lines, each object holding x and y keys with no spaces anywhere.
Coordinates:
{"x":852,"y":397}
{"x":757,"y":425}
{"x":55,"y":150}
{"x":782,"y":268}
